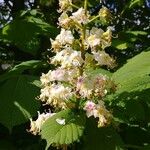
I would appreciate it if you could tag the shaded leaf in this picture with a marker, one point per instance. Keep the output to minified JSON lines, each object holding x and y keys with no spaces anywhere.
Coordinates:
{"x":135,"y":137}
{"x":101,"y":138}
{"x":147,"y":147}
{"x":136,"y":33}
{"x":17,"y":97}
{"x":134,"y":3}
{"x":26,"y":65}
{"x":121,"y":45}
{"x":20,"y":68}
{"x":27,"y":33}
{"x":129,"y":107}
{"x":6,"y":145}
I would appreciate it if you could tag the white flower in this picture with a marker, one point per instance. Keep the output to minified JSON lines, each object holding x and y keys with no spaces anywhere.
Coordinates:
{"x":65,"y":37}
{"x":68,"y":58}
{"x":98,"y":111}
{"x":64,"y":20}
{"x":104,"y":59}
{"x":45,"y":92}
{"x":56,"y":95}
{"x":75,"y":59}
{"x":85,"y":86}
{"x":93,"y":41}
{"x":57,"y":75}
{"x":106,"y":38}
{"x":97,"y":37}
{"x":55,"y":45}
{"x":61,"y":121}
{"x":35,"y":126}
{"x":103,"y":114}
{"x":65,"y":5}
{"x":80,"y":17}
{"x":90,"y":108}
{"x":44,"y":79}
{"x":61,"y":74}
{"x":92,"y":86}
{"x":6,"y":66}
{"x":102,"y":121}
{"x":94,"y":37}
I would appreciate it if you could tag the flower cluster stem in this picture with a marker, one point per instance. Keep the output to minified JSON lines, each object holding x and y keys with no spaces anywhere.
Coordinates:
{"x":64,"y":147}
{"x":74,"y":6}
{"x":83,"y":39}
{"x":94,"y":18}
{"x":83,"y":48}
{"x":85,"y":5}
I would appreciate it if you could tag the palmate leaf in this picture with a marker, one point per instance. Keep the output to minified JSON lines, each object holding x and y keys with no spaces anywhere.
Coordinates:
{"x":136,"y":33}
{"x":135,"y":137}
{"x":131,"y":107}
{"x":55,"y":133}
{"x":121,"y":45}
{"x":135,"y":75}
{"x":131,"y":102}
{"x":6,"y":145}
{"x":31,"y":64}
{"x":98,"y":71}
{"x":20,"y":68}
{"x":17,"y":98}
{"x":147,"y":147}
{"x":134,"y":3}
{"x":105,"y":138}
{"x":25,"y":33}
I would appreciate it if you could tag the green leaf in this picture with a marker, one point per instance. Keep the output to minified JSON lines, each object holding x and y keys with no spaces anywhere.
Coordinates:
{"x":25,"y":33}
{"x":6,"y":145}
{"x":92,"y":72}
{"x":33,"y":12}
{"x":17,"y":98}
{"x":55,"y":133}
{"x":37,"y":83}
{"x":126,"y":38}
{"x":134,"y":3}
{"x":135,"y":74}
{"x":131,"y":107}
{"x":100,"y":138}
{"x":131,"y":102}
{"x":136,"y":33}
{"x":31,"y":64}
{"x":20,"y":68}
{"x":121,"y":45}
{"x":147,"y":147}
{"x":47,"y":3}
{"x":136,"y":137}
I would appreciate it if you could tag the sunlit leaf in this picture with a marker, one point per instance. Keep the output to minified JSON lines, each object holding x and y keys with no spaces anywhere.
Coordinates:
{"x":71,"y":131}
{"x":135,"y":74}
{"x":131,"y":102}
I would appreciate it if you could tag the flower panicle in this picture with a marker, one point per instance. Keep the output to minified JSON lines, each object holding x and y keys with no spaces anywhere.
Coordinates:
{"x":77,"y":47}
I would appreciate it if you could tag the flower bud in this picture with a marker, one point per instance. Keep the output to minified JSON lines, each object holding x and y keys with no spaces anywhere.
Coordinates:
{"x":105,"y":15}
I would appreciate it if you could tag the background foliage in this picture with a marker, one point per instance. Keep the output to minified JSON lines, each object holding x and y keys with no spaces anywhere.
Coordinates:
{"x":25,"y":29}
